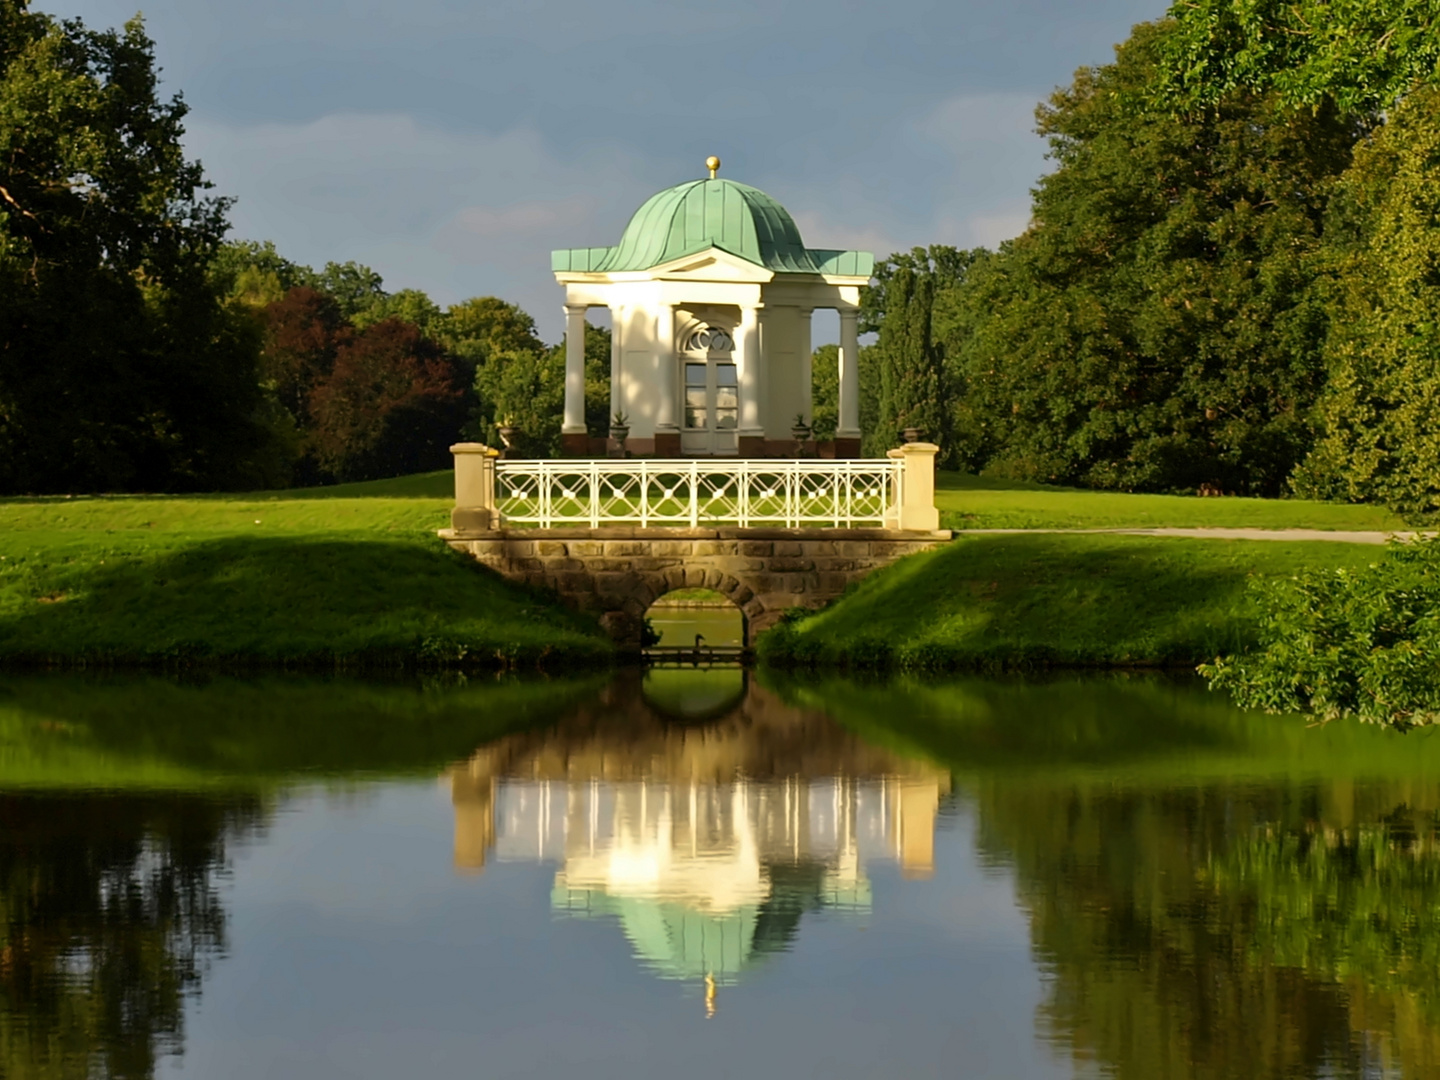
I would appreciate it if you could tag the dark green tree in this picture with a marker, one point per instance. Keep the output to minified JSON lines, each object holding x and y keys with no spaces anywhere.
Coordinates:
{"x":1159,"y":326}
{"x":1380,"y":413}
{"x":910,"y":382}
{"x":1362,"y":54}
{"x":120,"y":367}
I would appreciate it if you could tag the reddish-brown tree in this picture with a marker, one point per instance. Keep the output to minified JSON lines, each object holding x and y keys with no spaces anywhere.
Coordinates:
{"x":303,"y":331}
{"x":393,"y":402}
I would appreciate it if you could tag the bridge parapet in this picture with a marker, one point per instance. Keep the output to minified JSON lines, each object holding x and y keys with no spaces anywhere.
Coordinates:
{"x":618,"y":572}
{"x":895,"y":492}
{"x":613,"y":536}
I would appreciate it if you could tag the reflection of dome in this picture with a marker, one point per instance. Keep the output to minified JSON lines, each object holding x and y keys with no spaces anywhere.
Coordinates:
{"x":677,"y":940}
{"x":694,"y":695}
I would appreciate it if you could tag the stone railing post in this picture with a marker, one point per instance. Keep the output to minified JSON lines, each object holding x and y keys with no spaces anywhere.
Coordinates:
{"x":917,"y":486}
{"x":474,"y":488}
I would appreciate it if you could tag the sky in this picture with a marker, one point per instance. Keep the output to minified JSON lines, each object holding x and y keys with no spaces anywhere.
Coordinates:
{"x":451,"y":144}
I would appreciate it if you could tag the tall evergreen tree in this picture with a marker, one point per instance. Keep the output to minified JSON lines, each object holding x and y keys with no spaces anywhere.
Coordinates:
{"x":909,"y":368}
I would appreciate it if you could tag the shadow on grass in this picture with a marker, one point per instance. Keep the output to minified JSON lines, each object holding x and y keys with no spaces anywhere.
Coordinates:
{"x":431,"y":485}
{"x":286,"y":601}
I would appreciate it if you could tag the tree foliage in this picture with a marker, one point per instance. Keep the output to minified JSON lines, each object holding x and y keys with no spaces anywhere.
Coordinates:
{"x":119,"y":366}
{"x":1359,"y":55}
{"x":1347,"y":644}
{"x":1158,"y":326}
{"x":1379,"y":417}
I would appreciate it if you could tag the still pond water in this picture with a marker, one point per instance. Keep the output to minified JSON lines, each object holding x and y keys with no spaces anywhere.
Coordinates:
{"x":708,"y":874}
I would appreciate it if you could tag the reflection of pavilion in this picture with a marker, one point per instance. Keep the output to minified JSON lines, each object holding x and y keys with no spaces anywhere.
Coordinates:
{"x":706,"y":843}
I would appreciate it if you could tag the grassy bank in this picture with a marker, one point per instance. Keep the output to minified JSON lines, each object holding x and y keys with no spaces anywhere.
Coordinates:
{"x":994,"y":602}
{"x":975,"y":502}
{"x":343,"y":577}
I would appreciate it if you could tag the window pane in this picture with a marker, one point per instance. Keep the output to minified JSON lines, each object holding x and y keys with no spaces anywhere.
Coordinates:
{"x":726,"y":398}
{"x":694,"y":374}
{"x":725,"y":375}
{"x":695,"y":406}
{"x":725,"y":419}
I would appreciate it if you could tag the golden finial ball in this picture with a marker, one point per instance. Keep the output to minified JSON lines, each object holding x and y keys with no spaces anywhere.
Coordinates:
{"x":713,"y":164}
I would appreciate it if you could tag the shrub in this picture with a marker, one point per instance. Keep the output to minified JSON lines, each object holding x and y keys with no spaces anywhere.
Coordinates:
{"x":1347,"y":643}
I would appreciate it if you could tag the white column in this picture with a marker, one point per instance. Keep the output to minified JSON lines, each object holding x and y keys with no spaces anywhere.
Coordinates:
{"x":617,"y":336}
{"x":807,"y":403}
{"x":574,"y":423}
{"x":666,"y":367}
{"x":848,"y":426}
{"x":747,"y":361}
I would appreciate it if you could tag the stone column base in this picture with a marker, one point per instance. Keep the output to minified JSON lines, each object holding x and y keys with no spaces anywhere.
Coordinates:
{"x":847,"y":447}
{"x":667,"y":444}
{"x":750,"y":446}
{"x":575,"y":444}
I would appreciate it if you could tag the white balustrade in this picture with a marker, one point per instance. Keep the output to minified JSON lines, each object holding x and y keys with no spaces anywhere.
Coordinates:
{"x":697,"y":492}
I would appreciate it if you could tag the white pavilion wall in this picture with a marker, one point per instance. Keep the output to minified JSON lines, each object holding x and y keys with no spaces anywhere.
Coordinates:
{"x":785,"y":345}
{"x":639,"y":383}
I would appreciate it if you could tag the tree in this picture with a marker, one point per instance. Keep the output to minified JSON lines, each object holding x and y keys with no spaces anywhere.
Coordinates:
{"x":407,"y":305}
{"x":392,"y":404}
{"x":1362,"y":55}
{"x":303,"y":331}
{"x":120,"y":368}
{"x":1379,"y":416}
{"x":355,"y":288}
{"x":1159,"y":326}
{"x":909,"y":367}
{"x":932,"y":278}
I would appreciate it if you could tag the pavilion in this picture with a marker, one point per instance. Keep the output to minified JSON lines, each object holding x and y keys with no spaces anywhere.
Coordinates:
{"x":711,"y":291}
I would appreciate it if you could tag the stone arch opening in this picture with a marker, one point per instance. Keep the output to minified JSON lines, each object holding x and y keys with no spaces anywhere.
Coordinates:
{"x":695,"y":615}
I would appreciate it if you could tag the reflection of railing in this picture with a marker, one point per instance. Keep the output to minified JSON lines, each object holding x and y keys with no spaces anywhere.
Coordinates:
{"x":842,"y":494}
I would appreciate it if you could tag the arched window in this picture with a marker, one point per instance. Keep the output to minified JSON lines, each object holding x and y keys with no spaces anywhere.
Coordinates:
{"x":709,"y":339}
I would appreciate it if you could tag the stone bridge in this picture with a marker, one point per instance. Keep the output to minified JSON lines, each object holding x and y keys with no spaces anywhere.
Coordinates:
{"x":616,"y":573}
{"x":614,"y":537}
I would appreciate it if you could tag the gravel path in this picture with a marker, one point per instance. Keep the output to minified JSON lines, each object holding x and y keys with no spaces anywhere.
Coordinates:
{"x":1218,"y":534}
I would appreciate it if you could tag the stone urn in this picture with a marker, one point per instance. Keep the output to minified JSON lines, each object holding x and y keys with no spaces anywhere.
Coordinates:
{"x":912,"y":434}
{"x":510,"y":437}
{"x":800,"y":432}
{"x":619,"y":432}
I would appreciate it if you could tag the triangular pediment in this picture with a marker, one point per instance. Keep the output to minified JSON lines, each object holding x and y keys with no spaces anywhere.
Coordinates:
{"x":712,"y":264}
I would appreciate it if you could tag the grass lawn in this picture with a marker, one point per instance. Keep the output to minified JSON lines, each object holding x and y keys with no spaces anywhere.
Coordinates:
{"x":348,"y":576}
{"x":975,"y":502}
{"x":990,"y":602}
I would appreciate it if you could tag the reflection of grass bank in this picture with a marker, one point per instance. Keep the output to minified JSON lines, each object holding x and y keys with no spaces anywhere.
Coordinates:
{"x":1018,"y":601}
{"x":1130,"y":728}
{"x":145,"y":732}
{"x":298,"y":578}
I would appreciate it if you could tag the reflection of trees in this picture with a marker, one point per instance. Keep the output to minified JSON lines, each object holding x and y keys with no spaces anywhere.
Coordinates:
{"x":1229,"y":930}
{"x":109,"y":914}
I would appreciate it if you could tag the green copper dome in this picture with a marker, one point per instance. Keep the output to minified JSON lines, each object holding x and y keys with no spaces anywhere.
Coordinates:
{"x":701,"y":214}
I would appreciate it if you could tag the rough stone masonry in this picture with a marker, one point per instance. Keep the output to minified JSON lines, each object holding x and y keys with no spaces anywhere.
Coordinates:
{"x":618,"y":572}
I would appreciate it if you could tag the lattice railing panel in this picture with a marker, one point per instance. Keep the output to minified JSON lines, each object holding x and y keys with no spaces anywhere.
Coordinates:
{"x":745,"y":493}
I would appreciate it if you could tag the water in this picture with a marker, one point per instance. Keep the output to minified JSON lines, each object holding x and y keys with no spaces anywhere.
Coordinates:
{"x":708,"y":873}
